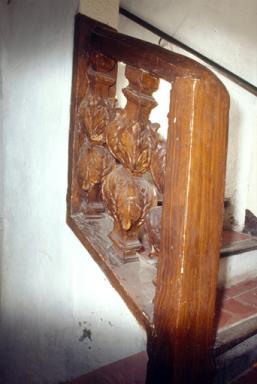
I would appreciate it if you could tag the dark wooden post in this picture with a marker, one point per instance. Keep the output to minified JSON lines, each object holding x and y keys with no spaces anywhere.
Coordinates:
{"x":180,"y":346}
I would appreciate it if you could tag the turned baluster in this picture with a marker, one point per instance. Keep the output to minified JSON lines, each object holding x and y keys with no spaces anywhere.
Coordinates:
{"x":95,"y":112}
{"x":127,"y":194}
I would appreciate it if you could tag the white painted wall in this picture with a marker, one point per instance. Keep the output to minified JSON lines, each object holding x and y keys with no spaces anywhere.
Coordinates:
{"x":226,"y":32}
{"x":50,"y":287}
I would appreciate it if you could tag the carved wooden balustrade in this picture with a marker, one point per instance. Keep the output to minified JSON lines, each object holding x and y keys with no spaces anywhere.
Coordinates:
{"x":118,"y":166}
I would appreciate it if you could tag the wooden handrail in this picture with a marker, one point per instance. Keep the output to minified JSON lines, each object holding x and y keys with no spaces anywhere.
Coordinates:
{"x":157,"y":60}
{"x":182,"y":331}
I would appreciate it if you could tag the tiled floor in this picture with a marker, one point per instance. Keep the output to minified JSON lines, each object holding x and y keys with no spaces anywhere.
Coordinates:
{"x":238,"y":303}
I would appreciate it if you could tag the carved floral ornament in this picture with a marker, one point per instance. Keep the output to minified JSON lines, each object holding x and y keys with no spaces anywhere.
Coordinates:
{"x":128,"y":199}
{"x":95,"y":113}
{"x":130,"y":142}
{"x":128,"y":135}
{"x":95,"y":162}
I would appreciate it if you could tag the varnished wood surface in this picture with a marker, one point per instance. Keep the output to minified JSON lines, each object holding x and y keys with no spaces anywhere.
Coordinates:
{"x":182,"y":340}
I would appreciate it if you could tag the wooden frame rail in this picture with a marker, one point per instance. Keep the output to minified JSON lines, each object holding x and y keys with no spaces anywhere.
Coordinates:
{"x":181,"y":330}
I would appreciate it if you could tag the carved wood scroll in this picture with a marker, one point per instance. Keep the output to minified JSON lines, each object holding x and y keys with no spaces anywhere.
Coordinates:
{"x":119,"y":166}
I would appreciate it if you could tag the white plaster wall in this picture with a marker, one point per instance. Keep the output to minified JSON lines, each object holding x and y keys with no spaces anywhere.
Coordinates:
{"x":224,"y":30}
{"x":195,"y":23}
{"x":50,"y":287}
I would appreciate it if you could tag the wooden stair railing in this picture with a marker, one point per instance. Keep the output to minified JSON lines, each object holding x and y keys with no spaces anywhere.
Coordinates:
{"x":110,"y":199}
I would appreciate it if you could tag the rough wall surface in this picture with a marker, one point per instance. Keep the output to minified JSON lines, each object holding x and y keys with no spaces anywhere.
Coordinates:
{"x":59,"y":316}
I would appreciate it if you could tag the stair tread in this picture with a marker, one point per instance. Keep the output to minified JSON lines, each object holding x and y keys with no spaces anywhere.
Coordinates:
{"x":237,"y":242}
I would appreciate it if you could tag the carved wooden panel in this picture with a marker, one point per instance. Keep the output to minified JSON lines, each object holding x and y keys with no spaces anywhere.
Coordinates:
{"x":120,"y":168}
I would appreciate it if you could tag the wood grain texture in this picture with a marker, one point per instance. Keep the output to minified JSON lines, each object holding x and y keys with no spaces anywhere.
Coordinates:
{"x":180,"y":347}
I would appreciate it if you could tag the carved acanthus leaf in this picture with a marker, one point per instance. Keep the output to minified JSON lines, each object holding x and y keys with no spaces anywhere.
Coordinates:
{"x":129,"y":141}
{"x":94,"y":163}
{"x":128,"y":135}
{"x":95,"y":113}
{"x":128,"y":198}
